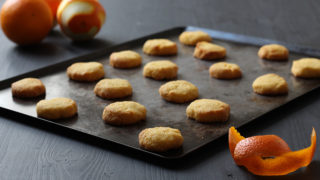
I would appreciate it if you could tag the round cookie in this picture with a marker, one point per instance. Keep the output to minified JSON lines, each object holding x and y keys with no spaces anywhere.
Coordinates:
{"x":208,"y":110}
{"x":56,"y":108}
{"x":28,"y":88}
{"x":270,"y":84}
{"x":306,"y":68}
{"x":273,"y":52}
{"x":113,"y":88}
{"x":224,"y":70}
{"x":209,"y":51}
{"x":160,"y":70}
{"x":124,"y":113}
{"x":85,"y":71}
{"x":179,"y":91}
{"x":193,"y":37}
{"x":160,"y":139}
{"x":160,"y":47}
{"x":125,"y":59}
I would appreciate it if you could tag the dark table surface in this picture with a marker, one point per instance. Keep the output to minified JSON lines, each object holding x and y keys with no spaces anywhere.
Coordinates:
{"x":29,"y":150}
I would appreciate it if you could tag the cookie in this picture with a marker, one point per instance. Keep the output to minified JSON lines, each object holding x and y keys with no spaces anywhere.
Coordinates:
{"x":193,"y":37}
{"x":113,"y":88}
{"x":306,"y":68}
{"x":160,"y":139}
{"x":160,"y":70}
{"x":209,"y":51}
{"x":208,"y":110}
{"x":270,"y":84}
{"x":28,"y":88}
{"x":179,"y":91}
{"x":224,"y":70}
{"x":56,"y":108}
{"x":160,"y":47}
{"x":124,"y":113}
{"x":273,"y":52}
{"x":85,"y":71}
{"x":125,"y":59}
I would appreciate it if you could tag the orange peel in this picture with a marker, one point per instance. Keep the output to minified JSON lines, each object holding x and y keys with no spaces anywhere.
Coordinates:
{"x":80,"y":20}
{"x":268,"y":155}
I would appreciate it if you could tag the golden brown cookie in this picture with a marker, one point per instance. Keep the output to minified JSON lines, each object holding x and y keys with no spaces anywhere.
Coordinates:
{"x":160,"y":47}
{"x":224,"y":70}
{"x":208,"y":110}
{"x":113,"y":88}
{"x":306,"y":68}
{"x":179,"y":91}
{"x":270,"y":84}
{"x":193,"y":37}
{"x":160,"y":139}
{"x":28,"y":88}
{"x":160,"y":70}
{"x":124,"y":113}
{"x":209,"y":51}
{"x":125,"y":59}
{"x":273,"y":52}
{"x":85,"y":71}
{"x":56,"y":108}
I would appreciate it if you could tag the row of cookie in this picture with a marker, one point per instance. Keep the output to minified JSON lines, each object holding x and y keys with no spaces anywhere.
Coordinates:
{"x":305,"y":67}
{"x":157,"y":139}
{"x":164,"y":47}
{"x":268,"y":84}
{"x":118,"y":113}
{"x":203,"y":50}
{"x":128,"y":112}
{"x":160,"y":70}
{"x":179,"y":91}
{"x":161,"y":139}
{"x":273,"y":84}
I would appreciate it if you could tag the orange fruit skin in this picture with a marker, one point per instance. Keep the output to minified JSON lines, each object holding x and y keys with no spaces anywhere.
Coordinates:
{"x":26,"y":21}
{"x":53,"y":4}
{"x":234,"y":138}
{"x":79,"y":25}
{"x":269,"y":155}
{"x":262,"y":146}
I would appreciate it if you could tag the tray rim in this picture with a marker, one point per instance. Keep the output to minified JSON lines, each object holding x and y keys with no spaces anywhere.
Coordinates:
{"x":99,"y":53}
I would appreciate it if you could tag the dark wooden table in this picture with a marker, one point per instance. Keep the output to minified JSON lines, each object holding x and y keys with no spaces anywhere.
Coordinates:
{"x":32,"y":151}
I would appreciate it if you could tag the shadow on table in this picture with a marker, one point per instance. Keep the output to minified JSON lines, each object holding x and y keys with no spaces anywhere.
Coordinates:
{"x":198,"y":157}
{"x":56,"y":47}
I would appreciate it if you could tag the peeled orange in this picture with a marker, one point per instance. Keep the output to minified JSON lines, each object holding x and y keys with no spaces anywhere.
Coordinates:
{"x":26,"y":21}
{"x":268,"y":155}
{"x":80,"y":19}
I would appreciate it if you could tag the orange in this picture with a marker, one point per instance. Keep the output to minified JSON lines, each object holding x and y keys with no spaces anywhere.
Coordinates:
{"x":268,"y":155}
{"x":26,"y":21}
{"x":80,"y":19}
{"x":53,"y":4}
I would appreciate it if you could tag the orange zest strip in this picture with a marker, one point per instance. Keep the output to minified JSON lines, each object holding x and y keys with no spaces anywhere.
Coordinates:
{"x":234,"y":138}
{"x":269,"y":155}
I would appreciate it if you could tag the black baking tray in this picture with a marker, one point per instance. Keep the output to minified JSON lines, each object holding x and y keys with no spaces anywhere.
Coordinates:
{"x":245,"y":105}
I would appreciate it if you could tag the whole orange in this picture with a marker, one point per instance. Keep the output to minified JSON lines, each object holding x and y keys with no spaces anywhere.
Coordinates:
{"x":26,"y":21}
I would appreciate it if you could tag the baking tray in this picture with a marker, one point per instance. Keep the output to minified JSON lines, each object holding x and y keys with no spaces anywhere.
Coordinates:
{"x":245,"y":105}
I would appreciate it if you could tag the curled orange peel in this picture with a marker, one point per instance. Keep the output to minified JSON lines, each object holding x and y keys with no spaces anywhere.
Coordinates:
{"x":268,"y":155}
